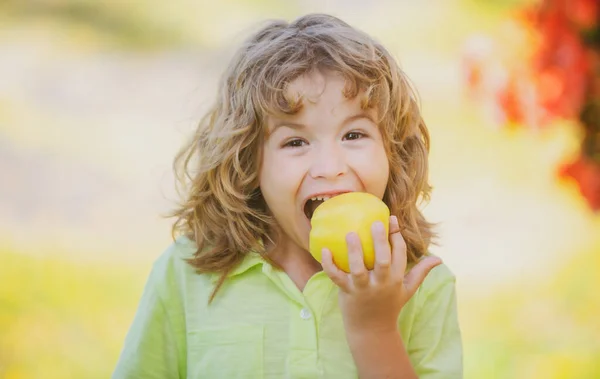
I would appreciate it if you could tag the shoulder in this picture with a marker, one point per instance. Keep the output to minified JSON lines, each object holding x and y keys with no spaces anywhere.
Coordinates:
{"x":439,"y":286}
{"x":173,"y":258}
{"x":172,"y":275}
{"x":439,"y":277}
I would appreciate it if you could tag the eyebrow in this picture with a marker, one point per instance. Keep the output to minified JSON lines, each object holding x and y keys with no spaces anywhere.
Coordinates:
{"x":295,"y":125}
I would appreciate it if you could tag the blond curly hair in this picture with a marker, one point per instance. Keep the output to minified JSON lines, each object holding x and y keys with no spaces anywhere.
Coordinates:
{"x":217,"y":170}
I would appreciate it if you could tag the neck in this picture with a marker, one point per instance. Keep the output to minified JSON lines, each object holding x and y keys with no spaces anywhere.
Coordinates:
{"x":297,"y":263}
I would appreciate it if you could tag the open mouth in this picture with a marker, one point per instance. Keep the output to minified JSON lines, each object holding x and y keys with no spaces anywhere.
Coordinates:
{"x":313,"y":203}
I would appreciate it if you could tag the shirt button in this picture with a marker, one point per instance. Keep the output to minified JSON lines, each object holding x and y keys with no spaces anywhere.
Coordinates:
{"x":305,"y":314}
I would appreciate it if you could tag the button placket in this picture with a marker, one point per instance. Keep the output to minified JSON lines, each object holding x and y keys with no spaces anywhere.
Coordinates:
{"x":305,"y":314}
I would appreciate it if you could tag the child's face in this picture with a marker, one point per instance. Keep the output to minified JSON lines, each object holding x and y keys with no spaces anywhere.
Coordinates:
{"x":330,"y":146}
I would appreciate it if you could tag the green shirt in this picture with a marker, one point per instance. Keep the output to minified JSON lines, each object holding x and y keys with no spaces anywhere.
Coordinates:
{"x":260,"y":325}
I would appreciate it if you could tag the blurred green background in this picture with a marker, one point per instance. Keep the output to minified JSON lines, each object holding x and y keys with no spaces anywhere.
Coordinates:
{"x":97,"y":96}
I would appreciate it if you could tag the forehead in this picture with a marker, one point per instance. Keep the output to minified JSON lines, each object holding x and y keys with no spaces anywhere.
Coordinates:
{"x":323,"y":94}
{"x":312,"y":85}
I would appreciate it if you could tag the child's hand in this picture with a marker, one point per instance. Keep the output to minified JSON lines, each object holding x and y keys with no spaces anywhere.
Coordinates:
{"x":372,"y":300}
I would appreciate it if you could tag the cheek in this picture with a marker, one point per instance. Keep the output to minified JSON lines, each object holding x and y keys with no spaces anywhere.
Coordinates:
{"x":279,"y":178}
{"x":374,"y":171}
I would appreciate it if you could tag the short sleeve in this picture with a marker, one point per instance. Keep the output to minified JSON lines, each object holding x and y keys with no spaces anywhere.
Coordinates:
{"x":150,"y":349}
{"x":435,"y":346}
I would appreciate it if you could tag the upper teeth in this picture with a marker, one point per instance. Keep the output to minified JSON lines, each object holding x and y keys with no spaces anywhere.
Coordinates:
{"x":322,"y":198}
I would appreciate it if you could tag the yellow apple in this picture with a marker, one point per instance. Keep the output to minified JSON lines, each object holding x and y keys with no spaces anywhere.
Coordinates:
{"x":340,"y":215}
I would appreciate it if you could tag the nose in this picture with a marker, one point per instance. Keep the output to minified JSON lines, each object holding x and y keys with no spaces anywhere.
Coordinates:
{"x":329,"y":162}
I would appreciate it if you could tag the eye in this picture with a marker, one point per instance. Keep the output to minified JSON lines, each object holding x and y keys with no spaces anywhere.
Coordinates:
{"x":353,"y":135}
{"x":296,"y":142}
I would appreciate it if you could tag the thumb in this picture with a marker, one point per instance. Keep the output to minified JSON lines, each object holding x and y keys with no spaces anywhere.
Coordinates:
{"x":417,"y":274}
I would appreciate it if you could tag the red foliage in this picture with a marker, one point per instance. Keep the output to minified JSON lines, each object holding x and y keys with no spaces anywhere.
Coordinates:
{"x":512,"y":102}
{"x":558,"y":78}
{"x":560,"y":65}
{"x":586,"y":173}
{"x":583,"y":13}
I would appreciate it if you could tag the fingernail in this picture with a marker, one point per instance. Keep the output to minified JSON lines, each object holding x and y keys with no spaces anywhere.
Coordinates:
{"x":394,"y":220}
{"x":352,"y":237}
{"x":378,"y":226}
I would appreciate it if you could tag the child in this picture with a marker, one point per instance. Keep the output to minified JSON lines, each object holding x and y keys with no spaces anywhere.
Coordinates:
{"x":306,"y":111}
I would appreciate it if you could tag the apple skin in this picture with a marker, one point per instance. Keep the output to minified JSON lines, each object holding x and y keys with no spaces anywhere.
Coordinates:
{"x":340,"y":215}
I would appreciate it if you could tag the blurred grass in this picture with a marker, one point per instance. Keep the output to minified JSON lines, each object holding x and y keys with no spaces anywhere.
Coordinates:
{"x":59,"y":319}
{"x":126,"y":24}
{"x":544,"y":329}
{"x":138,"y":24}
{"x":158,"y":25}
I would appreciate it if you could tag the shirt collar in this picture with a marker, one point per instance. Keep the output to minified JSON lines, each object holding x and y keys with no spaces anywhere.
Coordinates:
{"x":252,"y":259}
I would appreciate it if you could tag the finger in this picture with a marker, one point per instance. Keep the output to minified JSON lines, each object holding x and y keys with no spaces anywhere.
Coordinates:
{"x":383,"y":254}
{"x":337,"y":276}
{"x":358,"y":271}
{"x":417,"y":274}
{"x":398,"y":247}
